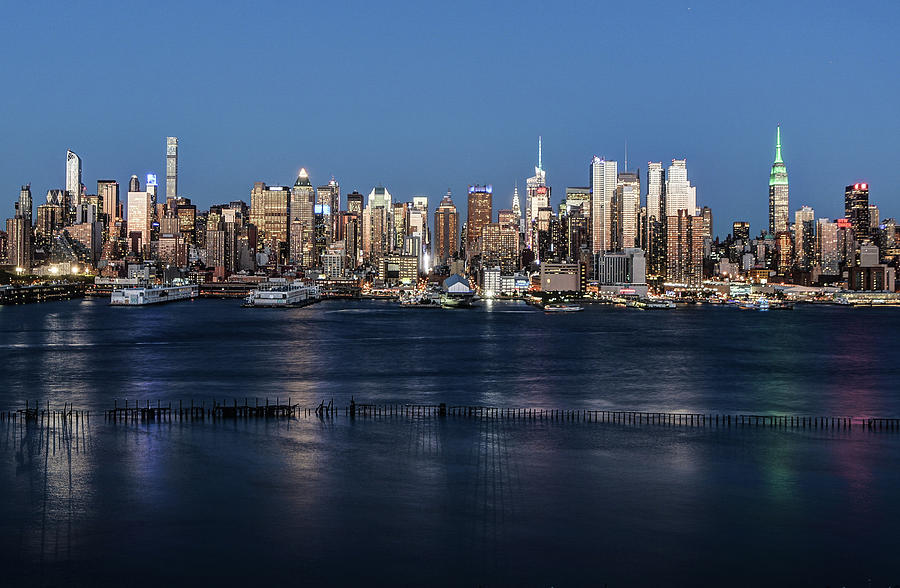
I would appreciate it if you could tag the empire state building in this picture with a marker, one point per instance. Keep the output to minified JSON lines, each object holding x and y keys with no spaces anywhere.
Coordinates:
{"x":778,"y":191}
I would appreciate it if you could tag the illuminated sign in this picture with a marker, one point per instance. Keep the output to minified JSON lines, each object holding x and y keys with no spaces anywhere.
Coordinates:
{"x":322,"y":209}
{"x":488,"y":189}
{"x":844,"y":223}
{"x":151,"y":179}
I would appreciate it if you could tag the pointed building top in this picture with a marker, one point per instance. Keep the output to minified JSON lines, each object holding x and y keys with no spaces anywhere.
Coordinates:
{"x":778,"y":158}
{"x":540,"y":165}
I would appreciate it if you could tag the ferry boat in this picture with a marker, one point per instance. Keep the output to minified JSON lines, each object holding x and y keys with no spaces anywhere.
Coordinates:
{"x":563,"y":308}
{"x":143,"y":295}
{"x":282,"y":294}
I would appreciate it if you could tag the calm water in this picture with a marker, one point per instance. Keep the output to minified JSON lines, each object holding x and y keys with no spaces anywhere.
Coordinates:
{"x":450,"y":501}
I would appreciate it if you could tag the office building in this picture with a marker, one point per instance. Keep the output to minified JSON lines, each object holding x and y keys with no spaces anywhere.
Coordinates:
{"x":270,"y":213}
{"x":623,"y":272}
{"x":73,"y":181}
{"x":856,"y":210}
{"x":500,"y":247}
{"x":679,"y":194}
{"x":627,"y":204}
{"x":479,"y":216}
{"x":537,"y":195}
{"x":804,"y":237}
{"x":684,"y":256}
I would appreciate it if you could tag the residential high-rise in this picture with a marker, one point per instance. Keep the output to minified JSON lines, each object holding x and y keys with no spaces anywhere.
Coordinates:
{"x":446,"y":230}
{"x":108,"y":192}
{"x":856,"y":210}
{"x":684,"y":257}
{"x":604,"y":175}
{"x":18,"y":234}
{"x":26,"y":207}
{"x":73,"y":180}
{"x":828,"y":254}
{"x":479,"y":215}
{"x":535,"y":198}
{"x":626,"y":206}
{"x":656,"y":190}
{"x":171,"y":168}
{"x":134,"y":184}
{"x":778,"y":191}
{"x":679,"y":193}
{"x":500,"y":247}
{"x":804,"y":237}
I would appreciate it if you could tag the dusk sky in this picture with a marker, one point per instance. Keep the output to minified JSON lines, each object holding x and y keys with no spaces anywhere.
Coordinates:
{"x":422,"y":97}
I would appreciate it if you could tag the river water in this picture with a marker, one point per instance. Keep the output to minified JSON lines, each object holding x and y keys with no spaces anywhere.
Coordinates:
{"x":449,"y":501}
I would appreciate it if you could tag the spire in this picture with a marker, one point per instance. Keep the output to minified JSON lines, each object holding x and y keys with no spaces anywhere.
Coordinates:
{"x":539,"y":153}
{"x":778,"y":145}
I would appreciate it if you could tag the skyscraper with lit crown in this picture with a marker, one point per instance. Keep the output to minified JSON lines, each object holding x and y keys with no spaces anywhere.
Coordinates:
{"x":778,"y":191}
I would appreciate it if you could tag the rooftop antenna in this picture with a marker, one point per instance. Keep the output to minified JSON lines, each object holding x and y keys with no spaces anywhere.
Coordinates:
{"x":626,"y":154}
{"x":539,"y":153}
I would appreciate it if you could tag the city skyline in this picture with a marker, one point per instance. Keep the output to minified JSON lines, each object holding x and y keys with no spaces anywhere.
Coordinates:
{"x":380,"y":127}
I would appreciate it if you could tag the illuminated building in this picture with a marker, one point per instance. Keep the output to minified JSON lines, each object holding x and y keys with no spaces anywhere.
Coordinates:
{"x":350,"y":233}
{"x":804,"y":237}
{"x":399,"y":224}
{"x":535,"y":198}
{"x":270,"y":213}
{"x":446,"y":230}
{"x":679,"y":194}
{"x":740,"y":230}
{"x":73,"y":181}
{"x":26,"y":209}
{"x":778,"y":191}
{"x":856,"y":210}
{"x":604,"y":176}
{"x":141,"y":211}
{"x":19,"y":248}
{"x":517,"y":207}
{"x":355,"y":203}
{"x":783,"y":252}
{"x":49,"y":219}
{"x":500,"y":247}
{"x":623,"y":271}
{"x":479,"y":216}
{"x":625,"y":211}
{"x":171,"y":168}
{"x":684,"y":255}
{"x":303,"y":201}
{"x":330,"y":195}
{"x":656,"y":191}
{"x":395,"y":269}
{"x":377,"y":225}
{"x":90,"y":235}
{"x":108,"y":191}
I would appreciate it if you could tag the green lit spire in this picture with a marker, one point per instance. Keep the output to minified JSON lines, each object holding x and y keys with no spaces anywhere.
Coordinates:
{"x":778,"y":145}
{"x":779,"y":176}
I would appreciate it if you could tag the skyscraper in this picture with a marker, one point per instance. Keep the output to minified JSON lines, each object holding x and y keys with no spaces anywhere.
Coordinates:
{"x":604,"y":176}
{"x":73,"y":180}
{"x":26,"y":209}
{"x":534,"y":197}
{"x":684,"y":257}
{"x":516,"y":206}
{"x":656,"y":190}
{"x":376,"y":236}
{"x":479,"y":215}
{"x":329,"y":195}
{"x":679,"y":193}
{"x":134,"y":184}
{"x":778,"y":191}
{"x":303,"y":201}
{"x":171,"y":168}
{"x":446,"y":230}
{"x":626,"y":208}
{"x":856,"y":210}
{"x":140,"y":218}
{"x":804,"y":237}
{"x":270,"y":213}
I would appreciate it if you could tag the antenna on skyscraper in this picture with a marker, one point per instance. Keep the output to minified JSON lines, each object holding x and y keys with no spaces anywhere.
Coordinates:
{"x":539,"y":153}
{"x":626,"y":154}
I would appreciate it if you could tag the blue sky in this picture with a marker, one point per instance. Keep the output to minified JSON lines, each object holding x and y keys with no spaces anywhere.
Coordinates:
{"x":426,"y":96}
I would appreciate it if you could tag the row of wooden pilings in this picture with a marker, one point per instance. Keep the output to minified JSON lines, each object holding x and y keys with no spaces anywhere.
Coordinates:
{"x":266,"y":408}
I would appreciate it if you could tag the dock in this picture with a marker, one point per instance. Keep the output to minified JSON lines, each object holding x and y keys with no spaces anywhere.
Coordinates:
{"x":280,"y":408}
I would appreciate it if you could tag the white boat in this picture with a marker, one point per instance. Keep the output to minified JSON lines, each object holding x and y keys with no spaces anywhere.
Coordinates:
{"x":563,"y":308}
{"x":282,"y":294}
{"x":144,"y":295}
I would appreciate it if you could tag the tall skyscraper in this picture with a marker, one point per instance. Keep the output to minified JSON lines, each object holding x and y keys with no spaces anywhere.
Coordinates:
{"x":446,"y":230}
{"x":134,"y":184}
{"x":73,"y":180}
{"x":270,"y":214}
{"x":656,"y":190}
{"x":303,"y":201}
{"x":355,"y":203}
{"x":516,"y":206}
{"x":804,"y":237}
{"x":740,"y":230}
{"x":535,"y":198}
{"x":171,"y":168}
{"x":625,"y":210}
{"x":684,"y":258}
{"x":828,"y":254}
{"x":604,"y":175}
{"x":778,"y":191}
{"x":377,"y":225}
{"x":140,"y":218}
{"x":26,"y":209}
{"x":856,"y":210}
{"x":329,"y":196}
{"x":479,"y":215}
{"x":679,"y":193}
